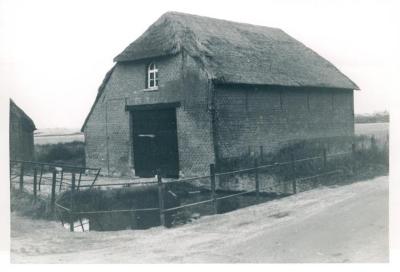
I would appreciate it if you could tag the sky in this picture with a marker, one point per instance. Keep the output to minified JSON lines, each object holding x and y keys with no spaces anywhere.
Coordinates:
{"x":54,"y":54}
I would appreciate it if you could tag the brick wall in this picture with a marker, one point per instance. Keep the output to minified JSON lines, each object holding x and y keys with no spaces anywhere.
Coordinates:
{"x":249,"y":117}
{"x":108,"y":132}
{"x":195,"y":142}
{"x":273,"y":117}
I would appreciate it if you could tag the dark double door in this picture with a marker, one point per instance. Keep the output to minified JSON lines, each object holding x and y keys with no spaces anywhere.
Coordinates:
{"x":155,"y":144}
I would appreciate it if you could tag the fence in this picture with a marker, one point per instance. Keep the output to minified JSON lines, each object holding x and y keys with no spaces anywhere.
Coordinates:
{"x":45,"y":179}
{"x":292,"y":172}
{"x":255,"y":172}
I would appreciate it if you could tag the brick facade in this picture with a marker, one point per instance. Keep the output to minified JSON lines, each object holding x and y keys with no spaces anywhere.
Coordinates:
{"x":246,"y":118}
{"x":272,"y":117}
{"x":249,"y":117}
{"x":108,"y":132}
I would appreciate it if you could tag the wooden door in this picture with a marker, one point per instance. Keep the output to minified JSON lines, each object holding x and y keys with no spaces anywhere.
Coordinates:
{"x":155,"y":144}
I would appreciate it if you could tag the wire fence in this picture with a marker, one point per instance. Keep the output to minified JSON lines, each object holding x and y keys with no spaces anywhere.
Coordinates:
{"x":213,"y":190}
{"x":47,"y":179}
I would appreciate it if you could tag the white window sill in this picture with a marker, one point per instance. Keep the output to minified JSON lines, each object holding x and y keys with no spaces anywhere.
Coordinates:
{"x":151,"y":89}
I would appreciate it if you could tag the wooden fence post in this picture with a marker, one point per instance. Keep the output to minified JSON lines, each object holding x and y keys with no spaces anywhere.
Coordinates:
{"x":374,"y":147}
{"x":61,"y":180}
{"x":71,"y":218}
{"x":21,"y":178}
{"x":53,"y":191}
{"x":34,"y":184}
{"x":324,"y":164}
{"x":213,"y":194}
{"x":294,"y":185}
{"x":79,"y":180}
{"x":353,"y":157}
{"x":257,"y":180}
{"x":161,"y":197}
{"x":80,"y":221}
{"x":40,"y":179}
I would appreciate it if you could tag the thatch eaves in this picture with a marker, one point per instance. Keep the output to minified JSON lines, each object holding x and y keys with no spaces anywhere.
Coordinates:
{"x":238,"y":53}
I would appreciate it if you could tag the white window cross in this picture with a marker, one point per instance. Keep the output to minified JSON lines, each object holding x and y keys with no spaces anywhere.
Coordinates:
{"x":152,"y":76}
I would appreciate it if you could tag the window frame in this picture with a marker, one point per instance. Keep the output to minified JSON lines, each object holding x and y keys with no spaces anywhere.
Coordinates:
{"x":152,"y":70}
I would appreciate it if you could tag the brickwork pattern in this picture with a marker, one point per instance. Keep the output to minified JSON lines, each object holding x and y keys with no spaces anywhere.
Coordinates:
{"x":108,"y":132}
{"x":248,"y":118}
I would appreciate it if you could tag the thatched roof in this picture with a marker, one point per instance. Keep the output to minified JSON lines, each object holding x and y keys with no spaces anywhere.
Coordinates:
{"x":25,"y":120}
{"x":237,"y":53}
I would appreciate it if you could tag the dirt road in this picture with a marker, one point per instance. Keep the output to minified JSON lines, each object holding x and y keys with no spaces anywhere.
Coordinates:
{"x":342,"y":224}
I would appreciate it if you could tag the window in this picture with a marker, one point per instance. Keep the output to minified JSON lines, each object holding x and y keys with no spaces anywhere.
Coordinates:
{"x":152,"y":76}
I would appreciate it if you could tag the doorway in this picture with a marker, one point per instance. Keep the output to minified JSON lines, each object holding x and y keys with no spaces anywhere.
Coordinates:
{"x":155,"y":143}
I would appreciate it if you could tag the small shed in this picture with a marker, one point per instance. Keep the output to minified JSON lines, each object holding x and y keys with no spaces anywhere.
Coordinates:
{"x":21,"y":134}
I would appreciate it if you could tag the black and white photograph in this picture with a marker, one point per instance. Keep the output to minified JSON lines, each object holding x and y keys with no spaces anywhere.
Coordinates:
{"x":199,"y":132}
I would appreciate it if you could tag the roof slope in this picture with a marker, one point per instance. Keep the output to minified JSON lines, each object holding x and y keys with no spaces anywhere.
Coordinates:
{"x":26,"y":121}
{"x":99,"y":93}
{"x":237,"y":53}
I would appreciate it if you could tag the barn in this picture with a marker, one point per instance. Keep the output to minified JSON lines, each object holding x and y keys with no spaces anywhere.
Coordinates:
{"x":21,"y":134}
{"x":194,"y":90}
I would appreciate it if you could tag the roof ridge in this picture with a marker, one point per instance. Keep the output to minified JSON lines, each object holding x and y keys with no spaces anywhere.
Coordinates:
{"x":168,"y":13}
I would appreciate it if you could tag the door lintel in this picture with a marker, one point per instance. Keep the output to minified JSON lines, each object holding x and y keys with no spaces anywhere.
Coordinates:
{"x":157,"y":106}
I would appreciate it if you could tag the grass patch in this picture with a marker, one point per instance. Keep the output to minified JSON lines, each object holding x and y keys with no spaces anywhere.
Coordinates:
{"x":24,"y":204}
{"x":62,"y":153}
{"x":370,"y":159}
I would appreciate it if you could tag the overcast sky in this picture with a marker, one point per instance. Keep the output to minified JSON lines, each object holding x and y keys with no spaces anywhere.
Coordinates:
{"x":54,"y":54}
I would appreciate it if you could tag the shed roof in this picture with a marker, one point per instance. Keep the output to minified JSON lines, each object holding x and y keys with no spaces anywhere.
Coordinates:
{"x":25,"y":119}
{"x":234,"y":52}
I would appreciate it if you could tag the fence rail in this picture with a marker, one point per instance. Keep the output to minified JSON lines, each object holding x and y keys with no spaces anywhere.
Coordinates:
{"x":73,"y":182}
{"x":34,"y":173}
{"x":53,"y":165}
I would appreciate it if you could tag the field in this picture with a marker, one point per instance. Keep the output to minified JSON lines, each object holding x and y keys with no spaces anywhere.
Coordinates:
{"x":379,"y":130}
{"x":60,"y":145}
{"x":57,"y":135}
{"x":63,"y":135}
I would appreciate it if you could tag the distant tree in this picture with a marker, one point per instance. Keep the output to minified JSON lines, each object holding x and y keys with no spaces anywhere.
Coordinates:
{"x":63,"y":153}
{"x":377,"y":117}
